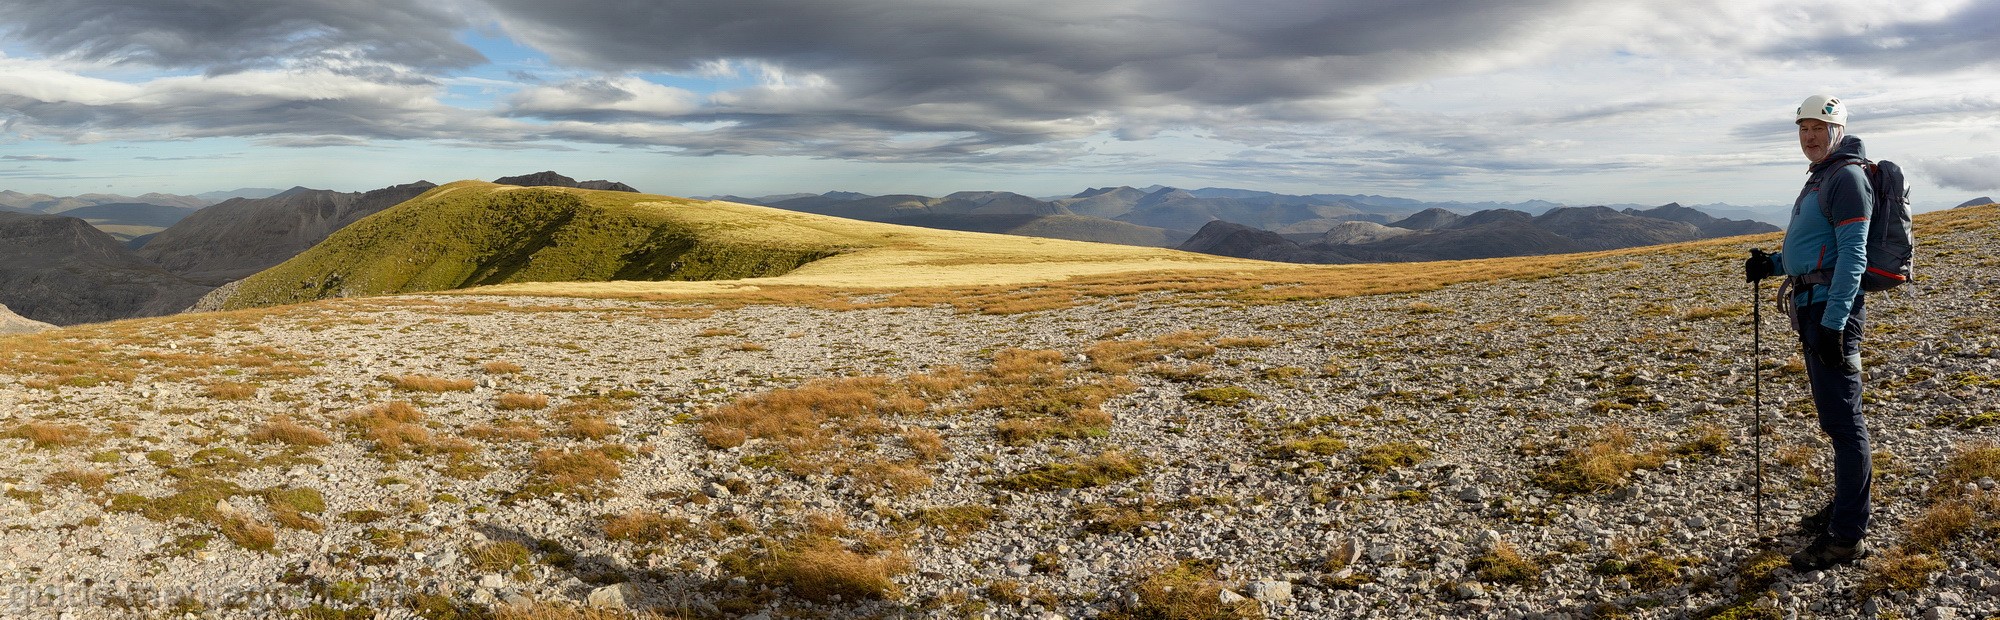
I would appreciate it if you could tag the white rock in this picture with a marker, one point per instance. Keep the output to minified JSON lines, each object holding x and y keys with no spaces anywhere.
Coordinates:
{"x":615,"y":596}
{"x":1228,"y":597}
{"x":492,"y":582}
{"x":1271,"y":591}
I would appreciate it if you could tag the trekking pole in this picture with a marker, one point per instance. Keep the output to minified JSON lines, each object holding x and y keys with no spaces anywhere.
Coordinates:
{"x":1757,"y":394}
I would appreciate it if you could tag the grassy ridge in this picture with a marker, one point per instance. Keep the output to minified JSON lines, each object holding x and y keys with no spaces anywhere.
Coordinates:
{"x":473,"y":234}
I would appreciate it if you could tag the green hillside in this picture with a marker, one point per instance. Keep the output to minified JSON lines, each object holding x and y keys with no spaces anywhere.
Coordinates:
{"x":473,"y":233}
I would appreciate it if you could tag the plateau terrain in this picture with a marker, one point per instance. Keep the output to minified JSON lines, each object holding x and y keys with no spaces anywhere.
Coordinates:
{"x":921,"y":423}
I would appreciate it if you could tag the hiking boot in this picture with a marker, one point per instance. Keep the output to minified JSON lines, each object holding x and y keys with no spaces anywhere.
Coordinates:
{"x":1816,"y":523}
{"x":1827,"y":550}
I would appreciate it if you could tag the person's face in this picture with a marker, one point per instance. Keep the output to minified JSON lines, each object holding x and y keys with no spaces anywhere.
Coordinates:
{"x":1813,"y":139}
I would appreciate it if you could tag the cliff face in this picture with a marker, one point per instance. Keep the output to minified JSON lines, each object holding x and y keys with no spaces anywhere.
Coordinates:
{"x":62,"y":271}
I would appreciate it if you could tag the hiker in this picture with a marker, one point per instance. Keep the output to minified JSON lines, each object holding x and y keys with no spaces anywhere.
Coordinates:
{"x":1823,"y":257}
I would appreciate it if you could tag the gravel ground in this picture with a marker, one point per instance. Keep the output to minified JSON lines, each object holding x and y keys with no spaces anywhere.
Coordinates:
{"x":1494,"y":381}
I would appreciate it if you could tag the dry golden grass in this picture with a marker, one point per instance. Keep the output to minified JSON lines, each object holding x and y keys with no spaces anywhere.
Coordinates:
{"x":426,"y":383}
{"x":541,"y":610}
{"x":1897,"y":569}
{"x":501,"y":368}
{"x":88,"y":480}
{"x":644,"y":527}
{"x":1940,"y":524}
{"x":505,"y":430}
{"x":1188,"y":590}
{"x":1969,"y":464}
{"x":49,"y":435}
{"x":821,"y":568}
{"x":230,"y":390}
{"x":248,"y":533}
{"x":1120,"y":356}
{"x":1604,"y":461}
{"x":513,"y":401}
{"x":283,"y":428}
{"x":394,"y":427}
{"x":575,"y":468}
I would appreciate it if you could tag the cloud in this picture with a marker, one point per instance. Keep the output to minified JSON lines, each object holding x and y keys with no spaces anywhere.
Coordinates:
{"x":37,"y":158}
{"x":1905,"y":38}
{"x":223,"y":36}
{"x":1972,"y":174}
{"x":302,"y":106}
{"x":1007,"y":72}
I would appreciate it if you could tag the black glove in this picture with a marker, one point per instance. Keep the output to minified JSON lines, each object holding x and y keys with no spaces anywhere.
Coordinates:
{"x":1758,"y":266}
{"x":1828,"y":348}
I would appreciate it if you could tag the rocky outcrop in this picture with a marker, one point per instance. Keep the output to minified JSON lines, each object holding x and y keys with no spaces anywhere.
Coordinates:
{"x":240,"y":237}
{"x":60,"y":270}
{"x":549,"y":178}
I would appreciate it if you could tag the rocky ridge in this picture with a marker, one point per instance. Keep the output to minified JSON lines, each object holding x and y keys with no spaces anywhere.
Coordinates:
{"x":1491,"y":383}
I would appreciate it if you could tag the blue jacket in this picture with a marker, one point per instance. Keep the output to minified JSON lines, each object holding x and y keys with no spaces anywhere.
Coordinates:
{"x":1840,"y":245}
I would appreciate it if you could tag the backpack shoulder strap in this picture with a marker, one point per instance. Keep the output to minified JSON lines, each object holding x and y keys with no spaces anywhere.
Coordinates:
{"x":1826,"y":181}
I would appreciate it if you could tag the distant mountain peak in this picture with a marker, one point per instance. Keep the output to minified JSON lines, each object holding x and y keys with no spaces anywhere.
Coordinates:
{"x":550,"y":178}
{"x":1982,"y":200}
{"x":294,"y":191}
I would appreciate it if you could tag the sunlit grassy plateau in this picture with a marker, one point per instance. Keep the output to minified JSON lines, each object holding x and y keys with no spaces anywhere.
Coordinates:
{"x":574,"y":354}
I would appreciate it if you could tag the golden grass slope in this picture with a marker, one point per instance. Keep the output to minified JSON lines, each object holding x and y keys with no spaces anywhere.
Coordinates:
{"x":472,"y":233}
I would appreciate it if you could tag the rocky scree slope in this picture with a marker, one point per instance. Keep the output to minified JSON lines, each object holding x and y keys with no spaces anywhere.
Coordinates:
{"x":1548,"y":448}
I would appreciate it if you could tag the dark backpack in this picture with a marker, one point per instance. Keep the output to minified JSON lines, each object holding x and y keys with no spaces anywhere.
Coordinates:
{"x":1891,"y":246}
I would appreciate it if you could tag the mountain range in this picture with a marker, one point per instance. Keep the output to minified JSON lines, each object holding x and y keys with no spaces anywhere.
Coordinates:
{"x":1436,"y":234}
{"x":171,"y":252}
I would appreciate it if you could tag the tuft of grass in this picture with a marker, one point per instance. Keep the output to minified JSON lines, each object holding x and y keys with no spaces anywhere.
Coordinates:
{"x":1940,"y":524}
{"x":1969,"y":464}
{"x":1252,"y":342}
{"x":1650,"y":572}
{"x":1384,"y":457}
{"x":513,"y":401}
{"x":1106,"y":468}
{"x":819,"y":567}
{"x":1709,"y":440}
{"x":1897,"y":569}
{"x":503,"y":557}
{"x":644,"y":527}
{"x":248,"y":533}
{"x":426,"y":383}
{"x":1322,"y":445}
{"x":394,"y":427}
{"x":1227,"y":396}
{"x":282,"y":428}
{"x":505,"y":430}
{"x":1503,"y":564}
{"x":230,"y":390}
{"x":956,"y":522}
{"x":1120,"y":356}
{"x":1189,"y":590}
{"x":1604,"y":462}
{"x":501,"y":368}
{"x":88,"y":480}
{"x":49,"y":435}
{"x":579,"y":468}
{"x":1704,"y":313}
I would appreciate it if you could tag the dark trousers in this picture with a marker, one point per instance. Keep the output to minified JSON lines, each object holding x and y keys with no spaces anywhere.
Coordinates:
{"x":1837,"y":396}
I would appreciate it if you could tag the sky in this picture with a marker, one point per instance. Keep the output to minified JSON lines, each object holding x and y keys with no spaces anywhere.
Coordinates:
{"x":1579,"y":102}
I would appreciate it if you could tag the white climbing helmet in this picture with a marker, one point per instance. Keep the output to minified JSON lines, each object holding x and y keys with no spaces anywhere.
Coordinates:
{"x":1823,"y":107}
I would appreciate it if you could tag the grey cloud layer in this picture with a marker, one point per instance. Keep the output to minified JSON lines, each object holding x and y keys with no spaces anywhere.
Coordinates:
{"x":227,"y":35}
{"x":974,"y":81}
